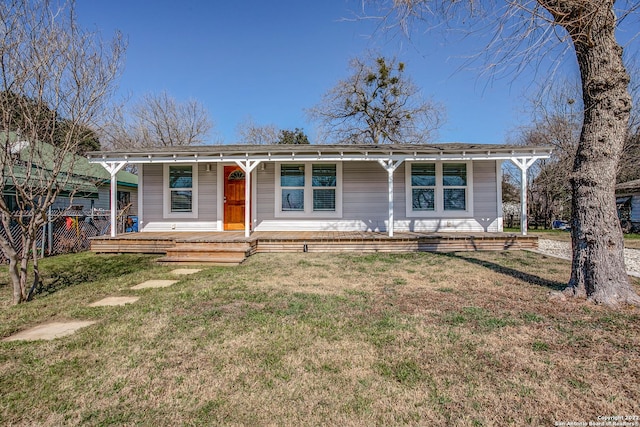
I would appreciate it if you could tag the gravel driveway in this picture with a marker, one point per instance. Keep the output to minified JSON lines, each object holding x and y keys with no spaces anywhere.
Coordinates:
{"x":559,"y":249}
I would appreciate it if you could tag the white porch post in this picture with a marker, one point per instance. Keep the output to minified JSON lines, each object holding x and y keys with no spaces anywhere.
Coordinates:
{"x":523,"y":164}
{"x":247,"y":167}
{"x":113,"y":168}
{"x":390,"y":166}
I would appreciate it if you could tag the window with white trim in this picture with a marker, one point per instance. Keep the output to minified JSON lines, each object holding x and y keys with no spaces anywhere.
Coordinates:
{"x":292,"y":183}
{"x":180,"y":191}
{"x":308,"y":189}
{"x":438,"y":188}
{"x":324,"y":180}
{"x":454,"y":181}
{"x":423,"y":186}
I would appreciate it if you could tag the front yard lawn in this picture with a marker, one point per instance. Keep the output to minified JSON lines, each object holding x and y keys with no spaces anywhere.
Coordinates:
{"x":321,"y":339}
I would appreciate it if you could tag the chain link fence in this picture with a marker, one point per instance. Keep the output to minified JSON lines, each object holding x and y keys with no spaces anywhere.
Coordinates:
{"x":68,"y":231}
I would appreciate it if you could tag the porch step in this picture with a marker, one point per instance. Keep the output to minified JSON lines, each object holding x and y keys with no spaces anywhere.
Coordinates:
{"x":209,"y":253}
{"x":211,"y":246}
{"x":145,"y":246}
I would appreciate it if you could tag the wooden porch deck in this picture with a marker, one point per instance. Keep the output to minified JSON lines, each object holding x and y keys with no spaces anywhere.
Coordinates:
{"x":233,"y":247}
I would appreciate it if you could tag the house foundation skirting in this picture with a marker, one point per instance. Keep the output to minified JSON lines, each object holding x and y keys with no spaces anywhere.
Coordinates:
{"x":233,"y":247}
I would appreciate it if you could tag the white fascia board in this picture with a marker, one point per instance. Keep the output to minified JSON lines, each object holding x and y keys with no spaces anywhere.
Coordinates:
{"x":329,"y":157}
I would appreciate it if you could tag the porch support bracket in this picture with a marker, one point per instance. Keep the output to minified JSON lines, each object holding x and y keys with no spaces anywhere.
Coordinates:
{"x":390,"y":166}
{"x":523,"y":163}
{"x":113,"y":168}
{"x":247,"y":167}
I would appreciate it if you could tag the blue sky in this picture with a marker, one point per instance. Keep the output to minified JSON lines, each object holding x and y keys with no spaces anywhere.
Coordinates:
{"x":269,"y":60}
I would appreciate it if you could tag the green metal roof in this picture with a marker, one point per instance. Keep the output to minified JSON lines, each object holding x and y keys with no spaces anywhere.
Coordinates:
{"x":85,"y":177}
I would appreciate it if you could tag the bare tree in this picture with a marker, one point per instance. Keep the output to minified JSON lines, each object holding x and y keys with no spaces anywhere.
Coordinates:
{"x":377,"y":104}
{"x":557,"y":114}
{"x":628,"y":169}
{"x":249,"y":132}
{"x":55,"y":79}
{"x":158,"y":120}
{"x":556,"y":122}
{"x":588,"y":28}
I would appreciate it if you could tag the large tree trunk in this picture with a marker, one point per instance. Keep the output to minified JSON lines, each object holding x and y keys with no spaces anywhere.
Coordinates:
{"x":598,"y":270}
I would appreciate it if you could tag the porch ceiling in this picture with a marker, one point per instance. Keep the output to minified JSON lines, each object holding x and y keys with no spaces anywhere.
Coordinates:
{"x":311,"y":152}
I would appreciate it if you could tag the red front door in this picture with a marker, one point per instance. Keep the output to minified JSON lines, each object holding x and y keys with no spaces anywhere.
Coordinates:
{"x":234,"y":184}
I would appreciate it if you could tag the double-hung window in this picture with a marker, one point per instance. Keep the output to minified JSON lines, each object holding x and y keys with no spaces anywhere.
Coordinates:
{"x":438,"y":189}
{"x":292,"y":182}
{"x":423,"y":186}
{"x":180,"y":184}
{"x":308,"y":189}
{"x":454,"y":182}
{"x":324,"y":180}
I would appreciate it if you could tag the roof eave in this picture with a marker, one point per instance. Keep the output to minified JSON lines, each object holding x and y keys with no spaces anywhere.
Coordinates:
{"x":323,"y":153}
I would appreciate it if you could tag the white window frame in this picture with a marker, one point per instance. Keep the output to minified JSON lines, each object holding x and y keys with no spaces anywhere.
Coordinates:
{"x":439,"y":211}
{"x":166,"y":192}
{"x":308,"y":211}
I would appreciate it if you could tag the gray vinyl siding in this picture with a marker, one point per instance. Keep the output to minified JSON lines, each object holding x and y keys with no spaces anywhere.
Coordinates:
{"x":104,"y":198}
{"x":364,"y":201}
{"x":365,"y":192}
{"x":152,"y":193}
{"x":102,"y":202}
{"x":485,"y":196}
{"x":62,"y":203}
{"x":134,"y":199}
{"x":207,"y":193}
{"x":265,"y":192}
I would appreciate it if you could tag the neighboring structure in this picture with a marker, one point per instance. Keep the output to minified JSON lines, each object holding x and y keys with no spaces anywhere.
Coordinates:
{"x":628,"y":202}
{"x":435,"y":187}
{"x":89,"y":184}
{"x":99,"y":198}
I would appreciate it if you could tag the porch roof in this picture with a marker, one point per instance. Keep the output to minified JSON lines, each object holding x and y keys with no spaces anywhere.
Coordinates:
{"x":311,"y":152}
{"x":628,"y":187}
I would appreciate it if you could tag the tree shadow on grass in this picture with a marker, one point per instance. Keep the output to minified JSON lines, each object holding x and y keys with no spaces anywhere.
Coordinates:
{"x":517,"y":274}
{"x":58,"y":273}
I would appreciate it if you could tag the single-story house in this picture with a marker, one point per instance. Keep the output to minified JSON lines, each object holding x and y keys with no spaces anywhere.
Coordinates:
{"x":628,"y":202}
{"x":434,"y":187}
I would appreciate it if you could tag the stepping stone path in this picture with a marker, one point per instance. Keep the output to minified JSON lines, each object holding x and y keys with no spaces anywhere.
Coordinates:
{"x":109,"y":301}
{"x":50,"y":331}
{"x":184,"y":271}
{"x":154,"y":284}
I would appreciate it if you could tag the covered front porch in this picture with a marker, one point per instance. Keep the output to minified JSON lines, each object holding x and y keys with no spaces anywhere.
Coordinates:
{"x":229,"y":248}
{"x":393,"y":189}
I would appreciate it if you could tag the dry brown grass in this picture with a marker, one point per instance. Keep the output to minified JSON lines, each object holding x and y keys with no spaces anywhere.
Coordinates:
{"x":329,"y":339}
